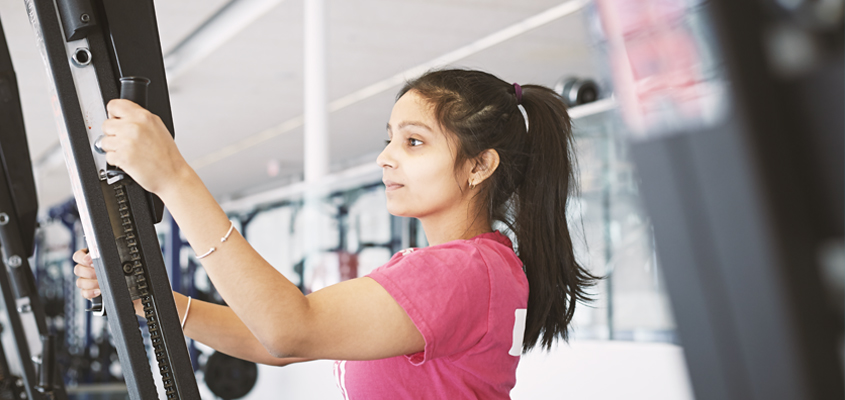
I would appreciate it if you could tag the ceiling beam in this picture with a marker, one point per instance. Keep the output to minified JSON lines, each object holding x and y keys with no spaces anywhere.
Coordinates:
{"x":227,"y":22}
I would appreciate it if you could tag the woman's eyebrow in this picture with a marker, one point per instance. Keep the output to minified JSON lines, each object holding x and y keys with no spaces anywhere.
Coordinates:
{"x":405,"y":124}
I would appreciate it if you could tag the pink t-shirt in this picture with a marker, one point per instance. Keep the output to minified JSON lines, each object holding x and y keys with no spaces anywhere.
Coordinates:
{"x":468,"y":298}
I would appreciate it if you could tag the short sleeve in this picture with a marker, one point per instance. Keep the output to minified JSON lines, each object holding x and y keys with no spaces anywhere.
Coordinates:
{"x":446,"y":293}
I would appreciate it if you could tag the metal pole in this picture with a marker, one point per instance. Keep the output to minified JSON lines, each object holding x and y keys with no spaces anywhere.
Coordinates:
{"x":316,"y":112}
{"x":316,"y":157}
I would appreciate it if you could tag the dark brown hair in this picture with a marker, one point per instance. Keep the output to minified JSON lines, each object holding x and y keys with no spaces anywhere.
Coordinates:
{"x":528,"y":191}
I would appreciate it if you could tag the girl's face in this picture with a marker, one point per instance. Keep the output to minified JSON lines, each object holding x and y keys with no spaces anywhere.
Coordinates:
{"x":418,"y":163}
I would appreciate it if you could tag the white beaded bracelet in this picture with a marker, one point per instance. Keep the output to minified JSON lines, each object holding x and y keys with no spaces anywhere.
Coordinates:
{"x":185,"y":317}
{"x":223,"y":239}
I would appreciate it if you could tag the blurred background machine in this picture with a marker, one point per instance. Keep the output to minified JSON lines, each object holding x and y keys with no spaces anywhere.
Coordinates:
{"x":735,"y":115}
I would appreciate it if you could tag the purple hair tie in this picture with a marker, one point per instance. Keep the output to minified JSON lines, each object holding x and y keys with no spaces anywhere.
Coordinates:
{"x":518,"y":90}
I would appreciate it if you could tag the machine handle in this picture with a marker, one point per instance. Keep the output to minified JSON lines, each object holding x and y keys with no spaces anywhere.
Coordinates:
{"x":97,"y":306}
{"x":135,"y":88}
{"x":47,"y":370}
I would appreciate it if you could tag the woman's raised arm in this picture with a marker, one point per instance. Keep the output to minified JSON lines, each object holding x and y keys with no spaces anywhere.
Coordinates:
{"x":355,"y":319}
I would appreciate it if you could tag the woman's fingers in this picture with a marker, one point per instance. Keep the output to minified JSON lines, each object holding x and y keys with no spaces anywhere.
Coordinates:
{"x":87,"y":280}
{"x":119,"y":134}
{"x":87,"y":284}
{"x":90,"y":294}
{"x":124,"y":128}
{"x":122,"y":108}
{"x":82,"y":257}
{"x":84,"y":271}
{"x":107,"y":143}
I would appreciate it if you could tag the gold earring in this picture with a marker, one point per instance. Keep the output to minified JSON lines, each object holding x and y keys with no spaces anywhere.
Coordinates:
{"x":471,"y":184}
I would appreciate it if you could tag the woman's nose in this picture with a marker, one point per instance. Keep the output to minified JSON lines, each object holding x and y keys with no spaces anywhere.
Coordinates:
{"x":384,"y":159}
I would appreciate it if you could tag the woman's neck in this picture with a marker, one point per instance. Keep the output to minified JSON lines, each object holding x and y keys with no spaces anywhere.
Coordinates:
{"x":439,"y":232}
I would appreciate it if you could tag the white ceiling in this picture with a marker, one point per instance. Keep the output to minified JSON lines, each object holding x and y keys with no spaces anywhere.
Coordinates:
{"x":253,"y":82}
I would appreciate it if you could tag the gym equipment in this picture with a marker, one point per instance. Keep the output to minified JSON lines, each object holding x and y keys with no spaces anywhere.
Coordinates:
{"x":229,"y":377}
{"x":88,"y":45}
{"x":35,"y":352}
{"x":577,"y":91}
{"x":735,"y":108}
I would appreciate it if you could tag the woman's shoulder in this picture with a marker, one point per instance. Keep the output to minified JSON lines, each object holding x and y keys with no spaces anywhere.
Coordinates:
{"x":477,"y":251}
{"x":485,"y":240}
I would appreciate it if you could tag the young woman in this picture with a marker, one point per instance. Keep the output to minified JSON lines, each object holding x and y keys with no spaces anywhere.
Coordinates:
{"x":447,"y":321}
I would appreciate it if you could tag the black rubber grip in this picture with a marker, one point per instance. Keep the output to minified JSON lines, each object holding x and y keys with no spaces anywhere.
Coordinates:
{"x":135,"y":89}
{"x":47,"y":371}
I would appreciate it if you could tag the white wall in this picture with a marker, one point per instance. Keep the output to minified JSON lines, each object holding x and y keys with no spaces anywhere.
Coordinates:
{"x":604,"y":370}
{"x":312,"y":380}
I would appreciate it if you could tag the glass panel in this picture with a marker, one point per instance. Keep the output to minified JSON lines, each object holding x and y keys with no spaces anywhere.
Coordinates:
{"x":613,"y":236}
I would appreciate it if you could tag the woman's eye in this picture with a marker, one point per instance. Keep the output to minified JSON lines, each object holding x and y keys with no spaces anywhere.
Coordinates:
{"x":414,"y":142}
{"x":386,"y":142}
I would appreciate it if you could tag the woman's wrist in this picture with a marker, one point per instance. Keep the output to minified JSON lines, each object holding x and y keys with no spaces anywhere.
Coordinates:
{"x":181,"y":178}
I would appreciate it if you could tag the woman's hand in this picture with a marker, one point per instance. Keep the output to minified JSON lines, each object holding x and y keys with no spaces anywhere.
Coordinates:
{"x":138,"y":142}
{"x":87,"y":277}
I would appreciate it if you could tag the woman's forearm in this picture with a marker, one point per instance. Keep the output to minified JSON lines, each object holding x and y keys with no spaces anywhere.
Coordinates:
{"x":219,"y":328}
{"x":262,"y":299}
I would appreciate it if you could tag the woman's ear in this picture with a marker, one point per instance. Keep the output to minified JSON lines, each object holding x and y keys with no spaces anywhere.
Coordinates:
{"x":484,"y":166}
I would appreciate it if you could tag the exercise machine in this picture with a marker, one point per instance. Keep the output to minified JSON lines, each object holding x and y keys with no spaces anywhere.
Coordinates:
{"x":96,"y":51}
{"x":30,"y":371}
{"x":735,"y":111}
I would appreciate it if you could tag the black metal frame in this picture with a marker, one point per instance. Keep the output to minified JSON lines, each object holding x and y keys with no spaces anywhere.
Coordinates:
{"x":20,"y":301}
{"x":122,"y":39}
{"x":18,"y":212}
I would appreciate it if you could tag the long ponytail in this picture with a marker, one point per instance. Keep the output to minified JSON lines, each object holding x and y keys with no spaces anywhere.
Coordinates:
{"x":556,"y":280}
{"x":529,"y":190}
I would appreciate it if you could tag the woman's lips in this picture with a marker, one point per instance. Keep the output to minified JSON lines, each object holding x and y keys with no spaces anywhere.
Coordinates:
{"x":391,"y":186}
